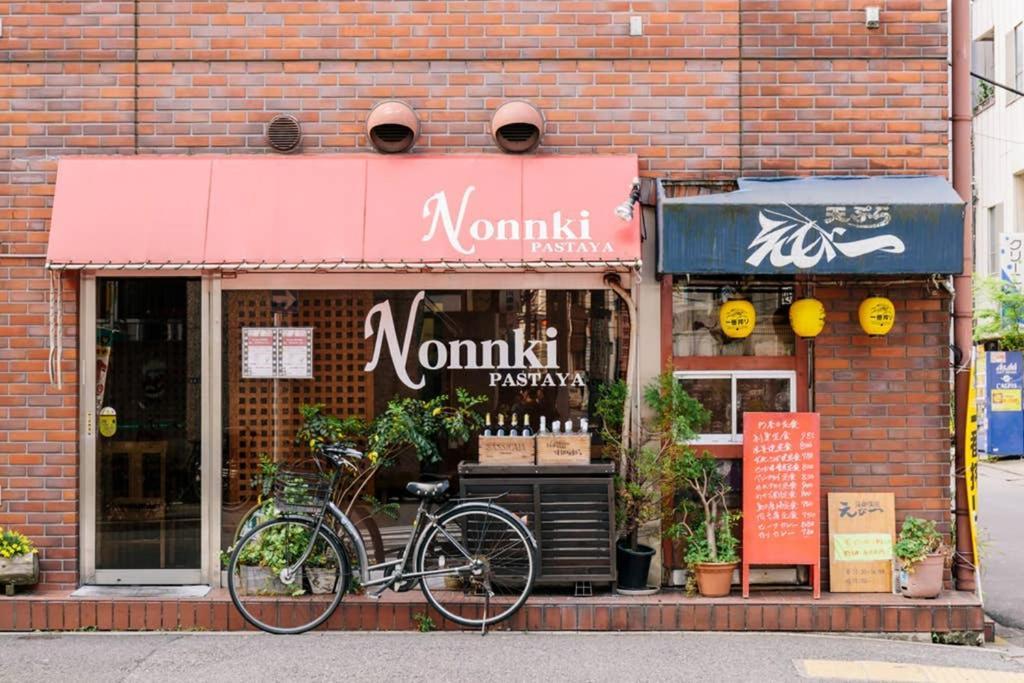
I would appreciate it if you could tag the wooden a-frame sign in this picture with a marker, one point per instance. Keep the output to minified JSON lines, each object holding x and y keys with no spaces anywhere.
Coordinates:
{"x":781,"y":493}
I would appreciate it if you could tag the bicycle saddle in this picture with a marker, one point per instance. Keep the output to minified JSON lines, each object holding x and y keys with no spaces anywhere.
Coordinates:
{"x":422,"y":489}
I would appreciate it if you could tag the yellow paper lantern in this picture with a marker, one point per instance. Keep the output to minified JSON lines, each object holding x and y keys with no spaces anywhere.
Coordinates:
{"x":737,"y":318}
{"x":807,"y":317}
{"x":877,"y":315}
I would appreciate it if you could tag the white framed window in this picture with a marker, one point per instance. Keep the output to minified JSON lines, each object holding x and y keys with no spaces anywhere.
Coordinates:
{"x":727,"y":394}
{"x":1018,"y":56}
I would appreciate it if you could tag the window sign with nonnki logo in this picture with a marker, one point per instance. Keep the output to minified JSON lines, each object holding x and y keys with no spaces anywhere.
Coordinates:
{"x":542,"y":353}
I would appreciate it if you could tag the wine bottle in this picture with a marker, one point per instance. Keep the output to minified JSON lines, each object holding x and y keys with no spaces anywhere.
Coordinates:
{"x":584,"y":426}
{"x":514,"y":430}
{"x":567,"y":428}
{"x":526,"y":425}
{"x":487,"y":424}
{"x":556,"y":425}
{"x":543,"y":429}
{"x":501,"y":425}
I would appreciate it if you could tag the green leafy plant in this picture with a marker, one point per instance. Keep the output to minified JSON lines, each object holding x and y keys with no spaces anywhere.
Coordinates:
{"x":983,"y":95}
{"x":918,"y":539}
{"x":702,"y":517}
{"x":1003,"y":317}
{"x":264,"y":478}
{"x":14,"y":543}
{"x":405,"y":423}
{"x":276,"y":548}
{"x":424,"y":623}
{"x":649,"y":468}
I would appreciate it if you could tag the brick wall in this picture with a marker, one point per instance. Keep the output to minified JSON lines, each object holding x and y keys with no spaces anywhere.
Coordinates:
{"x":713,"y":89}
{"x":885,"y":401}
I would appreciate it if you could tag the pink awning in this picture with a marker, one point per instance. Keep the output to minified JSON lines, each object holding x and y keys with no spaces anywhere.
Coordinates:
{"x":343,"y":212}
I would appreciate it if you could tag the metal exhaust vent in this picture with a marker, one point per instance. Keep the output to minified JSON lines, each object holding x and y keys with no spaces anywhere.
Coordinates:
{"x":392,"y":127}
{"x":284,"y":133}
{"x":517,"y":127}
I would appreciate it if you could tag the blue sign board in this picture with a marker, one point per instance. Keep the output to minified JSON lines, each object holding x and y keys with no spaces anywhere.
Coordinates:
{"x":883,"y":225}
{"x":1004,"y":384}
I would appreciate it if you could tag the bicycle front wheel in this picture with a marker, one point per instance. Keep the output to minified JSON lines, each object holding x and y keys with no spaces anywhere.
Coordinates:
{"x":276,"y":593}
{"x":480,"y":565}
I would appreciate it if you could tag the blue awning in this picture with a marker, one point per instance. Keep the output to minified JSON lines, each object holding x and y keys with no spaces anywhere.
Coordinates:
{"x":884,"y":225}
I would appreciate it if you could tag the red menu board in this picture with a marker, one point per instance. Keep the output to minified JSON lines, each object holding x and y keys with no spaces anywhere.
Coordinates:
{"x":782,"y":492}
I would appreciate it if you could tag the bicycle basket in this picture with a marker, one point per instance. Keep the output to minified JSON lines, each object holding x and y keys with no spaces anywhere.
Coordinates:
{"x":301,"y":491}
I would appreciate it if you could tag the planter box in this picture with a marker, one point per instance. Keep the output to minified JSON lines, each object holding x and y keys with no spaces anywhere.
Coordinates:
{"x":506,"y":450}
{"x":568,"y":449}
{"x":322,"y":580}
{"x":20,"y":570}
{"x":260,"y":581}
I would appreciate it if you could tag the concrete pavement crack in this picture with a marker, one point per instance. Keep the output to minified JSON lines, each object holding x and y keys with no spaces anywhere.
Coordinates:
{"x":152,"y":652}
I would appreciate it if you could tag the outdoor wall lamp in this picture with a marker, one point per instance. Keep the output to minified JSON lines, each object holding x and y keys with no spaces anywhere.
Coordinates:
{"x":625,"y":209}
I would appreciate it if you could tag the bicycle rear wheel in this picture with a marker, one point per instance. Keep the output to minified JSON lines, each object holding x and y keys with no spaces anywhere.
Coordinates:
{"x":485,"y":564}
{"x":269,"y":594}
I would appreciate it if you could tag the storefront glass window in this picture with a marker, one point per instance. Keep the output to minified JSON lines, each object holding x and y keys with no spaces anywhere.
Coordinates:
{"x":727,"y":395}
{"x":696,"y":331}
{"x":541,"y":353}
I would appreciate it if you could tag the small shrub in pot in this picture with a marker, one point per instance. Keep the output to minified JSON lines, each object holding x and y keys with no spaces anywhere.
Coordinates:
{"x":922,"y":554}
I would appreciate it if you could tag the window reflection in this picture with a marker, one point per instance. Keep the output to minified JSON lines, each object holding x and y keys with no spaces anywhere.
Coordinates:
{"x":696,"y":332}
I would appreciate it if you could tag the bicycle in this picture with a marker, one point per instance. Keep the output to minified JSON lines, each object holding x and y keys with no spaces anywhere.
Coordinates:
{"x":474,"y":561}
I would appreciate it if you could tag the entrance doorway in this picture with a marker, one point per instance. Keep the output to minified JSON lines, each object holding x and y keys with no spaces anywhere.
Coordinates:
{"x":147,"y":464}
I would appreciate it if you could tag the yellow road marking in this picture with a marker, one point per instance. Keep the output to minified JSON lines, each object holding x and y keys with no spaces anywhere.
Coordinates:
{"x":902,"y":673}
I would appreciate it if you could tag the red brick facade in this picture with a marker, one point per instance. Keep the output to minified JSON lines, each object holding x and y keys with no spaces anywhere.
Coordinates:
{"x":885,"y":402}
{"x":712,"y":90}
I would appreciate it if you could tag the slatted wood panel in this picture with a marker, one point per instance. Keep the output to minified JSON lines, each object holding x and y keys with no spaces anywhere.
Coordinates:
{"x":262,"y":415}
{"x":570,"y":516}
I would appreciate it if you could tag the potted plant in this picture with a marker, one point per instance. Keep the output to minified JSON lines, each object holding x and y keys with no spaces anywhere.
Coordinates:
{"x":704,"y":522}
{"x":261,"y":562}
{"x":19,"y":561}
{"x":922,"y":554}
{"x":647,"y":466}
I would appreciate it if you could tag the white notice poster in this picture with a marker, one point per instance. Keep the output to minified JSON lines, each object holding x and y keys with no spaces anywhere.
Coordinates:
{"x":296,"y":352}
{"x":257,"y":352}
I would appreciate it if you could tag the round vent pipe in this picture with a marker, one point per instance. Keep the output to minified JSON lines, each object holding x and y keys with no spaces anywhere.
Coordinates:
{"x":517,"y":127}
{"x":392,"y":127}
{"x":284,"y":133}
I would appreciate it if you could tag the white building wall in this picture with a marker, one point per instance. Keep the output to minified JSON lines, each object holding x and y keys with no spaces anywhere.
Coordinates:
{"x":998,"y":137}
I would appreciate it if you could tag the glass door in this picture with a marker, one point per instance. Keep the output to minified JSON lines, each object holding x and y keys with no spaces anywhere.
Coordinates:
{"x":148,"y":440}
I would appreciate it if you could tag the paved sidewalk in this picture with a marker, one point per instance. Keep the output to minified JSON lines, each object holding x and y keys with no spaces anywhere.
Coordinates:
{"x":497,"y":657}
{"x":1001,"y":534}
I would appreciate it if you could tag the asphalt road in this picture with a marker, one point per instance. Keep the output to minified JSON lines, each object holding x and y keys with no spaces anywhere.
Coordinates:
{"x":1001,"y":532}
{"x":504,"y":656}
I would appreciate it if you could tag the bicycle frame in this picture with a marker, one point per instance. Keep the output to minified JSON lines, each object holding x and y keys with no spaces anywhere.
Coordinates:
{"x":424,"y":520}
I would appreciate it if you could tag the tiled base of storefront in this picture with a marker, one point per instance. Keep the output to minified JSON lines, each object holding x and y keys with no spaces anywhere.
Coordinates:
{"x":668,"y":611}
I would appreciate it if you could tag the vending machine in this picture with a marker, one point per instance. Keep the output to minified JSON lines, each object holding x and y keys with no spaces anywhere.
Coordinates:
{"x":1004,"y":382}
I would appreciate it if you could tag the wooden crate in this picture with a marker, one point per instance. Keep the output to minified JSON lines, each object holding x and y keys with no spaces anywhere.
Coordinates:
{"x":506,"y":450}
{"x":563,"y":449}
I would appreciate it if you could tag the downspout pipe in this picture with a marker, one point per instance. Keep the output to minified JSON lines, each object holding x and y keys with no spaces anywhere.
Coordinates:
{"x":614,"y":282}
{"x":963,"y":313}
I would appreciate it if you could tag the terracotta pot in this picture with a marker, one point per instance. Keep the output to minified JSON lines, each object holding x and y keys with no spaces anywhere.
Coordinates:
{"x":926,"y":579}
{"x":714,"y":579}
